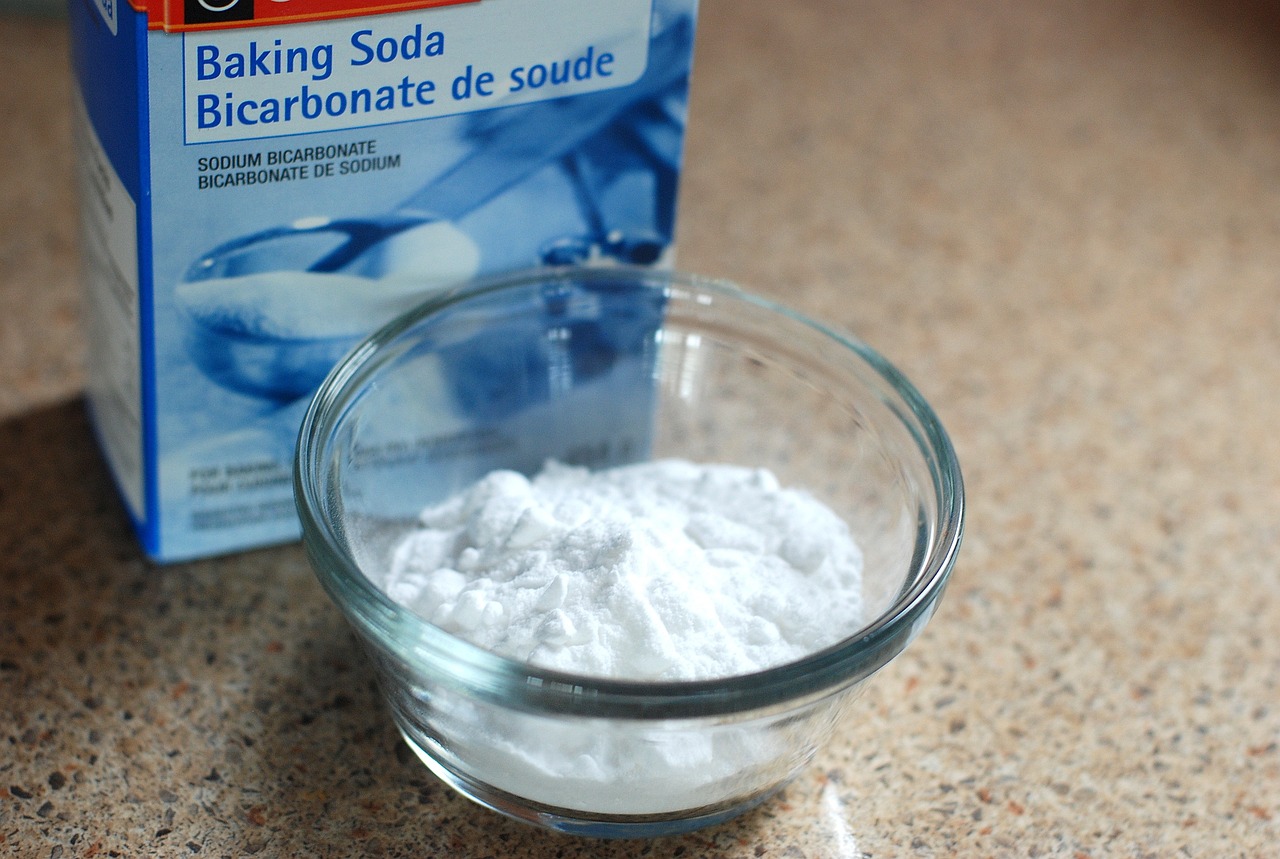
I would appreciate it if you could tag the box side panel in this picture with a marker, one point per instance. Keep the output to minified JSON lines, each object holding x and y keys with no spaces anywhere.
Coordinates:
{"x":110,"y":133}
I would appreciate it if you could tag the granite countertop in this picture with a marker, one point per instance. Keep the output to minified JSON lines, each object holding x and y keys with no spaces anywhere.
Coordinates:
{"x":1061,"y":219}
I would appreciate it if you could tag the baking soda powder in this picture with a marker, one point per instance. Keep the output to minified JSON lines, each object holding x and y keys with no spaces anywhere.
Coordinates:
{"x":664,"y":570}
{"x":659,"y":571}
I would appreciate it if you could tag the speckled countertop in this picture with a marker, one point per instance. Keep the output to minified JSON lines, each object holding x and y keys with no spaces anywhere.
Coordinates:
{"x":1061,"y":219}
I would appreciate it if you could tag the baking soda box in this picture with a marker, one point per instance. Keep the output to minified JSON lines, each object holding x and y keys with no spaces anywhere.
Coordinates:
{"x":265,"y":182}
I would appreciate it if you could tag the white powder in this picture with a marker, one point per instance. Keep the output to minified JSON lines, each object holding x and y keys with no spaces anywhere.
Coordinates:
{"x":664,"y":570}
{"x":295,"y":305}
{"x":304,"y":305}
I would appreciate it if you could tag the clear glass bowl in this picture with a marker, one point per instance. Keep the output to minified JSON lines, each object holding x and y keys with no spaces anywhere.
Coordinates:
{"x":602,"y":367}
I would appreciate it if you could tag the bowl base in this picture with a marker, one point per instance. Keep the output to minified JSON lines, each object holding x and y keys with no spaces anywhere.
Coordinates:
{"x":584,"y":823}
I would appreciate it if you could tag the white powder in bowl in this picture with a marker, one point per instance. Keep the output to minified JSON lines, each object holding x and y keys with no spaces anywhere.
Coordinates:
{"x":665,"y":570}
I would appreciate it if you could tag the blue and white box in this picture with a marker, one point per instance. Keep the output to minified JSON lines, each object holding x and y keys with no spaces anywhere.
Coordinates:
{"x":265,"y":182}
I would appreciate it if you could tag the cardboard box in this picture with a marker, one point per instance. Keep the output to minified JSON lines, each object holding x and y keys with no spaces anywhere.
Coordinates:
{"x":264,"y":182}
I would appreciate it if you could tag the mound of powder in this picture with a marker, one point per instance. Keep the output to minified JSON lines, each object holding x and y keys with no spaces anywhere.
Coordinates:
{"x":298,"y":305}
{"x":665,"y":570}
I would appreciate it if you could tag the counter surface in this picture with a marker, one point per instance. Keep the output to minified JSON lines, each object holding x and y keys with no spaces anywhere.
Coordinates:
{"x":1062,"y":220}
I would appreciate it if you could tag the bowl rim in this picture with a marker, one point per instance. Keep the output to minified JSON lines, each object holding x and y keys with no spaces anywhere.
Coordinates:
{"x":398,"y":633}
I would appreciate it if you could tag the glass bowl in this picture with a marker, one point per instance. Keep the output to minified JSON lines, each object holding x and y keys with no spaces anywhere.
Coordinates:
{"x":600,"y":367}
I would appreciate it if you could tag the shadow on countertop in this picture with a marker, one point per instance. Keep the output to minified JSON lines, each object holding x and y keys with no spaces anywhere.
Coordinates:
{"x":1252,"y":27}
{"x":47,"y":9}
{"x":214,"y":708}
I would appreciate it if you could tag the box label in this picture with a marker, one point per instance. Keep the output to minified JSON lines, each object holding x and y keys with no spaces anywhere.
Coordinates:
{"x":109,"y":12}
{"x":354,"y":73}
